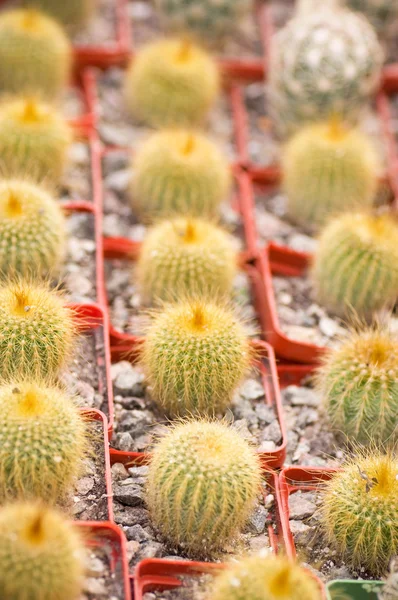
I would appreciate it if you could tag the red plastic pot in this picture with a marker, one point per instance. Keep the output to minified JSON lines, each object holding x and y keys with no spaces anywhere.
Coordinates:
{"x":111,"y":539}
{"x":85,"y":85}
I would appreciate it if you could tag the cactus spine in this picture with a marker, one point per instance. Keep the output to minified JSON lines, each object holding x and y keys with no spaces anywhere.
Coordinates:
{"x":360,"y":511}
{"x":328,"y":169}
{"x":178,"y":172}
{"x":265,"y":578}
{"x":202,"y":484}
{"x":323,"y":62}
{"x":35,"y":54}
{"x":172,"y":82}
{"x":186,"y":256}
{"x":32,"y":229}
{"x":37,"y":330}
{"x":74,"y":14}
{"x":41,"y":554}
{"x":195,"y":355}
{"x":356,"y":263}
{"x":359,"y":384}
{"x":34,"y":139}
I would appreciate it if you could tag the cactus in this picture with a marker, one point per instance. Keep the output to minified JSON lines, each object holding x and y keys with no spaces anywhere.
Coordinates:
{"x":186,"y":256}
{"x":265,"y":578}
{"x":325,"y":61}
{"x":379,"y":12}
{"x":328,"y":169}
{"x":172,"y":82}
{"x":195,"y":354}
{"x":42,"y":441}
{"x":35,"y":54}
{"x":356,"y":263}
{"x":178,"y":172}
{"x":211,"y":20}
{"x":202,"y":485}
{"x":41,"y":554}
{"x":32,"y":229}
{"x":37,"y":330}
{"x":359,"y":512}
{"x":359,"y":384}
{"x":34,"y":139}
{"x":73,"y":14}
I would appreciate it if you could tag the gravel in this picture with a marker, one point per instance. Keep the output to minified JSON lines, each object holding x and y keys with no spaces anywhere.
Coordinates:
{"x":78,"y":274}
{"x":76,"y":183}
{"x":192,"y":588}
{"x":103,"y":580}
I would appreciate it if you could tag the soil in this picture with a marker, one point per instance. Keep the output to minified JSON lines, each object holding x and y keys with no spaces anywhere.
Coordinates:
{"x":102,"y":580}
{"x":79,"y":274}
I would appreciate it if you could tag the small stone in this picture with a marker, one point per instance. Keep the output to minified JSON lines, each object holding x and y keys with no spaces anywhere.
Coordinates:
{"x":132,"y":549}
{"x":129,"y":382}
{"x":303,"y":243}
{"x":96,"y":587}
{"x":258,"y":519}
{"x":300,"y":506}
{"x":252,"y":390}
{"x":265,"y":413}
{"x":272,"y":432}
{"x":258,"y":543}
{"x":95,"y":566}
{"x":119,"y":472}
{"x":84,"y":485}
{"x":124,"y":442}
{"x":328,"y":326}
{"x":267,"y":446}
{"x":129,"y":495}
{"x":136,"y":532}
{"x":300,"y":531}
{"x":152,"y":550}
{"x":301,"y":396}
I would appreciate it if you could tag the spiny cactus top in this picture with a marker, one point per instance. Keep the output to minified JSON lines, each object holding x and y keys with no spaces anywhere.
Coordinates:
{"x":327,"y":169}
{"x":172,"y":82}
{"x":41,"y":554}
{"x":381,"y":13}
{"x":186,"y":257}
{"x":208,"y":19}
{"x":322,"y":62}
{"x":35,"y":54}
{"x":179,"y":172}
{"x":195,"y":355}
{"x":360,"y":511}
{"x":265,"y":578}
{"x":203,"y":481}
{"x":34,"y":139}
{"x":74,"y":14}
{"x":32,"y":229}
{"x":359,"y":384}
{"x":356,"y":263}
{"x":42,"y":442}
{"x":37,"y":330}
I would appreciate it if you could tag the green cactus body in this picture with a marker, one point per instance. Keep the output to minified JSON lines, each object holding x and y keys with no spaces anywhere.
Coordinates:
{"x":172,"y":82}
{"x":328,"y":169}
{"x":184,"y":257}
{"x":360,"y":512}
{"x":359,"y":384}
{"x":178,"y":172}
{"x":37,"y":331}
{"x":34,"y":139}
{"x":32,"y":229}
{"x":202,"y":485}
{"x":35,"y":54}
{"x":356,"y":264}
{"x":381,"y":13}
{"x":42,"y":442}
{"x":41,"y":555}
{"x":324,"y":62}
{"x":195,"y":355}
{"x":211,"y":20}
{"x":265,"y":578}
{"x":74,"y":14}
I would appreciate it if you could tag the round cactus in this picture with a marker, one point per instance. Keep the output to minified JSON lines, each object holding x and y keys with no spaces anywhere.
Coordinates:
{"x":178,"y":172}
{"x":360,"y":512}
{"x":265,"y":578}
{"x":42,"y":442}
{"x":172,"y":82}
{"x":184,"y":257}
{"x":323,"y":62}
{"x":74,"y":14}
{"x":211,"y":20}
{"x":32,"y":229}
{"x":34,"y":139}
{"x":328,"y":169}
{"x":359,"y":384}
{"x":195,"y":355}
{"x":356,"y":264}
{"x":37,"y":330}
{"x":35,"y":54}
{"x":202,"y":485}
{"x":379,"y":12}
{"x":41,"y":554}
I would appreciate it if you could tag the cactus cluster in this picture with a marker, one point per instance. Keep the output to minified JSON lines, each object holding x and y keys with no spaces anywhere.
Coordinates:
{"x":186,"y":257}
{"x":73,"y":14}
{"x":35,"y":54}
{"x":41,"y":554}
{"x":202,"y":485}
{"x":178,"y":172}
{"x":327,"y":169}
{"x":172,"y":82}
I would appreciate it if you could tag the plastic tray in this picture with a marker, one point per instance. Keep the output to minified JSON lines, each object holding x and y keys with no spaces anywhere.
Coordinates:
{"x":352,"y":590}
{"x":109,"y":536}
